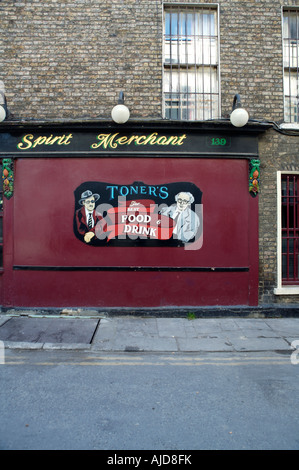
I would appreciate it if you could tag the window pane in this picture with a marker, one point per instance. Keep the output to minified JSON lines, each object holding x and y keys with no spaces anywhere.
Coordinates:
{"x":291,"y":84}
{"x":206,"y":80}
{"x":291,"y":53}
{"x":291,"y":24}
{"x":190,"y":50}
{"x":201,"y":80}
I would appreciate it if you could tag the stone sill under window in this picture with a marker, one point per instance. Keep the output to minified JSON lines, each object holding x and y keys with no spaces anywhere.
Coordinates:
{"x":289,"y":125}
{"x":287,"y":290}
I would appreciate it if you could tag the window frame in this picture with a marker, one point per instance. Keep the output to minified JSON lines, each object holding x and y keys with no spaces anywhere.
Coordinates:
{"x":198,"y":7}
{"x":282,"y":289}
{"x":287,"y":69}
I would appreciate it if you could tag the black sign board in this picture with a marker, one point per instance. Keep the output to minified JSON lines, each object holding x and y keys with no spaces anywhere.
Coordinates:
{"x":117,"y":142}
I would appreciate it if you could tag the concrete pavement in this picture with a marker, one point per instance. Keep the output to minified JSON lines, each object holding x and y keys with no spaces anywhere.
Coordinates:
{"x":147,"y":334}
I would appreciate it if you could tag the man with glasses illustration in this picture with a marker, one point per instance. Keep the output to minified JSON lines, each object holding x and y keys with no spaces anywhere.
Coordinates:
{"x":186,"y":220}
{"x":86,"y":217}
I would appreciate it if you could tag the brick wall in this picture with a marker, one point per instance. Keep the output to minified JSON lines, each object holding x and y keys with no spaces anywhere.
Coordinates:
{"x":70,"y":59}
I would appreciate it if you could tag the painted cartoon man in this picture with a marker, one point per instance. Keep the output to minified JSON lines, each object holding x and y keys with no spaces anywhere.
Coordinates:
{"x":186,"y":220}
{"x":86,"y":217}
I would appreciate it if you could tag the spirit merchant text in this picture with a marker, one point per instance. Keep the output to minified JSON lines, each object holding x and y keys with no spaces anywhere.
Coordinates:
{"x":30,"y":141}
{"x":104,"y":141}
{"x":114,"y":140}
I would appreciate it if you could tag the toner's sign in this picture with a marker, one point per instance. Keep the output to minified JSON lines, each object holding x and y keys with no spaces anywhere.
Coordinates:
{"x":138,"y":214}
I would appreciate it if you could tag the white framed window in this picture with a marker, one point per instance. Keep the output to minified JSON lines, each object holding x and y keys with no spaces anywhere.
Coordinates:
{"x":291,"y":64}
{"x":287,"y":233}
{"x":191,"y":85}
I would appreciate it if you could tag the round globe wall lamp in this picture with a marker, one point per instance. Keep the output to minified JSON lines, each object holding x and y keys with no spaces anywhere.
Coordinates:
{"x":239,"y":116}
{"x":3,"y":104}
{"x":120,"y":113}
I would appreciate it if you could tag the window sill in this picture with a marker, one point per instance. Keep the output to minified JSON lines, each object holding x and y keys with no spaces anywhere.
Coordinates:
{"x":289,"y":125}
{"x":287,"y":290}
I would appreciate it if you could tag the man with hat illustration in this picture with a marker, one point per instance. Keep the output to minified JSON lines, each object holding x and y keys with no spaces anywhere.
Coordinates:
{"x":86,"y":217}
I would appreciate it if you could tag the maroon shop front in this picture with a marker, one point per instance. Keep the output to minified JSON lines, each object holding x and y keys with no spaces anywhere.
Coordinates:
{"x":154,"y":215}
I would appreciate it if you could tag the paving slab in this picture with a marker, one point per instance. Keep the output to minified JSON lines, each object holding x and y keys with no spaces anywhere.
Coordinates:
{"x":249,"y":342}
{"x":3,"y":319}
{"x":206,"y":344}
{"x":252,"y":323}
{"x":175,"y":327}
{"x":48,"y":330}
{"x":284,"y":326}
{"x":132,"y":334}
{"x":257,"y":333}
{"x":204,"y":327}
{"x":135,"y":344}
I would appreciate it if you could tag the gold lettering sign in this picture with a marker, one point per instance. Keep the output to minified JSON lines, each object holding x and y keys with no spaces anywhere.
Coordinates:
{"x":103,"y":141}
{"x":113,"y":141}
{"x":28,"y":141}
